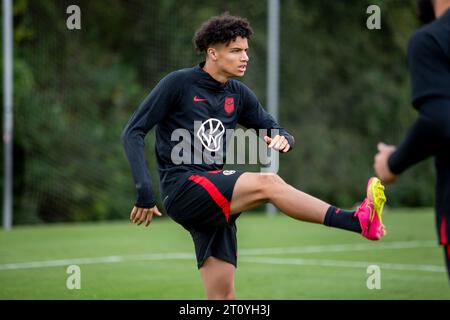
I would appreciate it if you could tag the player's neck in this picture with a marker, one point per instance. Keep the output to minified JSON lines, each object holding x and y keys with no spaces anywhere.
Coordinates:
{"x":440,"y":7}
{"x":215,"y":72}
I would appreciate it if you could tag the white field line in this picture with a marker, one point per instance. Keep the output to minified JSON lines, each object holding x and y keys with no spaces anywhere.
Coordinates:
{"x":342,"y":247}
{"x":252,"y":252}
{"x":344,"y":264}
{"x":110,"y":259}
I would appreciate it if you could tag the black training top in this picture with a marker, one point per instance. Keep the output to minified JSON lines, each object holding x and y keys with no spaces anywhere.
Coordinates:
{"x":429,"y":61}
{"x":203,"y":108}
{"x":429,"y":65}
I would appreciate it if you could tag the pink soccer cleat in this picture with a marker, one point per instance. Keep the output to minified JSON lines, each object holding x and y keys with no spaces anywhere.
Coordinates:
{"x":370,"y":210}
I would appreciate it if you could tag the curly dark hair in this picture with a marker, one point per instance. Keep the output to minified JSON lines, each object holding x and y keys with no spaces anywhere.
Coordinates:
{"x":221,"y":29}
{"x":425,"y":11}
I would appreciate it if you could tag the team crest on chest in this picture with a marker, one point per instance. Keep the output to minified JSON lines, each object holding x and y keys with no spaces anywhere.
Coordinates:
{"x":229,"y":105}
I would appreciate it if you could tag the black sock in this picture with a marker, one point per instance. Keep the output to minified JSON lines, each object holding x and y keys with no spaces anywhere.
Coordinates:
{"x":342,"y":219}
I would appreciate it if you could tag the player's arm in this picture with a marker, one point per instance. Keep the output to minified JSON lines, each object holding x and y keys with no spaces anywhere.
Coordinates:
{"x":428,"y":134}
{"x":427,"y":63}
{"x":151,"y":111}
{"x":421,"y":142}
{"x":254,"y":116}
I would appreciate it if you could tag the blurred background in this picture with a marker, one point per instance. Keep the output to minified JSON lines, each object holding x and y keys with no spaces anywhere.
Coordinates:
{"x":343,"y":88}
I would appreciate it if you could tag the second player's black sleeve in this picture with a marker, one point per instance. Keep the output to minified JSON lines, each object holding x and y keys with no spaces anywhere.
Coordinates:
{"x":428,"y":134}
{"x":151,"y":111}
{"x":429,"y":68}
{"x":428,"y":63}
{"x":254,"y":116}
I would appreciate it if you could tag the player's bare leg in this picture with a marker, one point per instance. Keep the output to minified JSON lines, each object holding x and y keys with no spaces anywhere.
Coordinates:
{"x":218,"y":279}
{"x":253,"y":189}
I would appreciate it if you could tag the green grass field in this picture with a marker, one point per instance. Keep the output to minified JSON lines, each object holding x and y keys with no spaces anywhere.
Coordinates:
{"x":279,"y":258}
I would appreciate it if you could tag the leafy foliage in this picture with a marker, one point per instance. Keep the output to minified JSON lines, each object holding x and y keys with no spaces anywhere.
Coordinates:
{"x":343,"y":88}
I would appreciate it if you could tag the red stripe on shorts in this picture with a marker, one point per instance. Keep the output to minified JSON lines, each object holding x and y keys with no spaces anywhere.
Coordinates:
{"x":443,"y":230}
{"x":217,"y":196}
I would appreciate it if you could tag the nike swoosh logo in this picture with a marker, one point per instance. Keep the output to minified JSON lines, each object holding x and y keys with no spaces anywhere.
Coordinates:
{"x":197,"y":99}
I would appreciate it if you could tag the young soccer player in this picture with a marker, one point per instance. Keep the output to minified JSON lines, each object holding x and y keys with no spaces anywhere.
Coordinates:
{"x":202,"y":197}
{"x":429,"y":64}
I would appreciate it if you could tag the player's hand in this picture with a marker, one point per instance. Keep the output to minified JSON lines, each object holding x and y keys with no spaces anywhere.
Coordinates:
{"x":140,"y":215}
{"x":381,"y":163}
{"x":279,"y":143}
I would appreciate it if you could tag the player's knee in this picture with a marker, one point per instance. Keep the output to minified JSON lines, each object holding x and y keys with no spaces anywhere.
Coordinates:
{"x":221,"y":291}
{"x":269,"y":182}
{"x":225,"y":295}
{"x":230,"y":296}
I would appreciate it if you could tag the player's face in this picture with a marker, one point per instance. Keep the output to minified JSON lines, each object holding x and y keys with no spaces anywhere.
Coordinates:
{"x":232,"y":59}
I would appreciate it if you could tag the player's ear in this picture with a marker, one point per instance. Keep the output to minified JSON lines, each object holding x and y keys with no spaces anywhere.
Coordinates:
{"x":212,"y":53}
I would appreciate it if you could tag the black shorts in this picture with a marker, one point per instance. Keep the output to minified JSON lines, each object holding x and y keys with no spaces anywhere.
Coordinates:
{"x":201,"y":204}
{"x":442,"y":162}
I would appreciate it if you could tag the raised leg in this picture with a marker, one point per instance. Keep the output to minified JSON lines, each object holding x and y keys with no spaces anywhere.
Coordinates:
{"x":253,"y":189}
